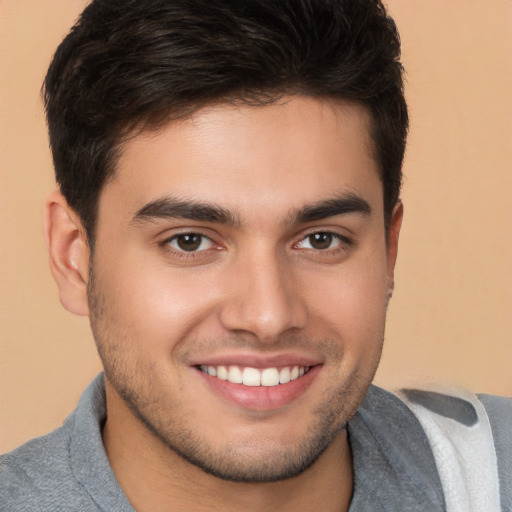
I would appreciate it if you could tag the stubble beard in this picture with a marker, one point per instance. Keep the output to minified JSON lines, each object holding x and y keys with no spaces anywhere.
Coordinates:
{"x":131,"y":381}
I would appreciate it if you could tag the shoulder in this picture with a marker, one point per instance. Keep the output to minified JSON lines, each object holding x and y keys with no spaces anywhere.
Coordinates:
{"x":35,"y":475}
{"x":456,"y":443}
{"x":471,"y":439}
{"x":51,"y":473}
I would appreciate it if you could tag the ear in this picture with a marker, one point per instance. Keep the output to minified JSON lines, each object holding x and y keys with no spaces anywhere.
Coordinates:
{"x":68,"y":250}
{"x":393,"y":234}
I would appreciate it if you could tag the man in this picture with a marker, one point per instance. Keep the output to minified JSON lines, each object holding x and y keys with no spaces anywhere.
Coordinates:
{"x":228,"y":218}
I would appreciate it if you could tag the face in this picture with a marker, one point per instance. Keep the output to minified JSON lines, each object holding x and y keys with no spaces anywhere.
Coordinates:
{"x":240,"y":281}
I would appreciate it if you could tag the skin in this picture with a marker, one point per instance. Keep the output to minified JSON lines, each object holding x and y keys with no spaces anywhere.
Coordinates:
{"x":257,"y":290}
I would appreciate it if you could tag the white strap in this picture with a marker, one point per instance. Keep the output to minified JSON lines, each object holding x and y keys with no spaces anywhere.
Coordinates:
{"x":465,"y":457}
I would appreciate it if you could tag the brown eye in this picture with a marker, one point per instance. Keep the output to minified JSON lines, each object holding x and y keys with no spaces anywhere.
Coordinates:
{"x":323,"y":241}
{"x":190,"y":242}
{"x":320,"y":241}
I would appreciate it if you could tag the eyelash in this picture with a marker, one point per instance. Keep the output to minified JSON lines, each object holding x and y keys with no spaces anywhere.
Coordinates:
{"x":344,"y":243}
{"x":181,"y":253}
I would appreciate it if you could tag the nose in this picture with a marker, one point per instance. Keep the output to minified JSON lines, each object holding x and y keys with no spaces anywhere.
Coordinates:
{"x":263,"y":298}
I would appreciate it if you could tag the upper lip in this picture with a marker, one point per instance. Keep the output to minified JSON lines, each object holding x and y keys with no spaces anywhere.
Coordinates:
{"x":256,"y":360}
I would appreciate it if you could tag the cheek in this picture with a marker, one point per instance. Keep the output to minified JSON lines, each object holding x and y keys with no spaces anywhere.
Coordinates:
{"x":351,"y":302}
{"x":149,"y":303}
{"x":356,"y":289}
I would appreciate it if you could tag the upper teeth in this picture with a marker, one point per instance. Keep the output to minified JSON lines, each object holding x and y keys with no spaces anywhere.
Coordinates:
{"x":254,"y":376}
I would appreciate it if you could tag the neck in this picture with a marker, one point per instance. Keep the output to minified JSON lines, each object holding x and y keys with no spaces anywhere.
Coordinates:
{"x":154,"y":478}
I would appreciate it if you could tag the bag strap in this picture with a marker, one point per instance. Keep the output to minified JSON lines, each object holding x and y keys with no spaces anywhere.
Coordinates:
{"x":499,"y":412}
{"x":461,"y":438}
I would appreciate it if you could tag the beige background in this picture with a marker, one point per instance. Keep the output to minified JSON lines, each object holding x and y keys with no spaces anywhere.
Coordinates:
{"x":450,"y":321}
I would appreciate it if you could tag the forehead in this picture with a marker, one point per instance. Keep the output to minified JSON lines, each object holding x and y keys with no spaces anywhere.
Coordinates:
{"x":296,"y":151}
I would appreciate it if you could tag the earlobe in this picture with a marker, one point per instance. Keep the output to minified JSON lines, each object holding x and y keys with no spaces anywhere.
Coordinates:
{"x":68,"y":252}
{"x":392,"y":243}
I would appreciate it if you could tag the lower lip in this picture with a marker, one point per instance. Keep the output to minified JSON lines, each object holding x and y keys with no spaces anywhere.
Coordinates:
{"x":260,"y":398}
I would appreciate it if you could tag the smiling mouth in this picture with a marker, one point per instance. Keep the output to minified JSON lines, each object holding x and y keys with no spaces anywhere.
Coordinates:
{"x":253,"y":377}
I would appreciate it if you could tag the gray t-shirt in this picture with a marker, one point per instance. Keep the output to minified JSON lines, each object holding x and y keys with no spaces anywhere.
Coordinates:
{"x":394,"y":469}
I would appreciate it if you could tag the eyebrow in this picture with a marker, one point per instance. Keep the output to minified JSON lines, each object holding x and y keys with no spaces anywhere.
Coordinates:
{"x":172,"y":208}
{"x":344,"y":204}
{"x":169,"y":207}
